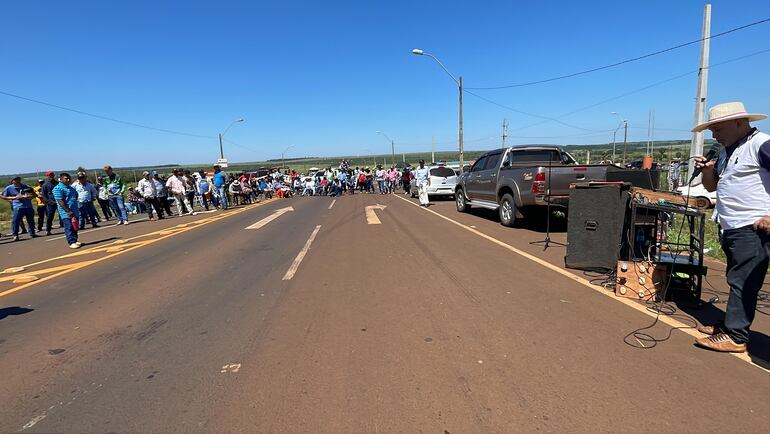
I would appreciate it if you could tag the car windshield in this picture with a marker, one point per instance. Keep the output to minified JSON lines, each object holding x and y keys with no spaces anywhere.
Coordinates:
{"x":443,"y":172}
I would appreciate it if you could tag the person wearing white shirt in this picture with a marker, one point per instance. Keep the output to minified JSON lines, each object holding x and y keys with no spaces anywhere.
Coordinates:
{"x":148,"y":190}
{"x":741,"y":178}
{"x":422,"y":179}
{"x":176,"y":186}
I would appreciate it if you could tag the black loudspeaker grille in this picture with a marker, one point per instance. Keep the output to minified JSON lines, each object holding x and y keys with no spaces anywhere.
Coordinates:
{"x":595,"y":224}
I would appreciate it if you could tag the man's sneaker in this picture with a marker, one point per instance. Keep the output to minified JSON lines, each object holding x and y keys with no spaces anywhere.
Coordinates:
{"x":15,"y":238}
{"x":48,"y":233}
{"x":721,"y":342}
{"x":712,"y":329}
{"x":74,"y":246}
{"x":125,"y":222}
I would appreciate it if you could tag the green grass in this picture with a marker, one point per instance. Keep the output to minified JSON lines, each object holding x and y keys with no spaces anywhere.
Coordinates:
{"x":711,"y":237}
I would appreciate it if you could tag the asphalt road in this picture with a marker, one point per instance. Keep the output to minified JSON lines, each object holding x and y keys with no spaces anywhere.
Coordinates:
{"x":430,"y":321}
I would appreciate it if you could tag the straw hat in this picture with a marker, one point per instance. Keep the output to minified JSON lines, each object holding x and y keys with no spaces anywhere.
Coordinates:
{"x":726,"y":112}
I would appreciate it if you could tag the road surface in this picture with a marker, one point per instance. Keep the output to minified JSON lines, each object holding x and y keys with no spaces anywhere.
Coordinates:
{"x":319,"y":318}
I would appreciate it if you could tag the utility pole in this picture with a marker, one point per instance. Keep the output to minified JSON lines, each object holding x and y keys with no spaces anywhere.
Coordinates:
{"x":432,"y":149}
{"x":625,"y":139}
{"x":221,"y":149}
{"x":696,"y":146}
{"x":461,"y":123}
{"x":393,"y":152}
{"x":505,"y":131}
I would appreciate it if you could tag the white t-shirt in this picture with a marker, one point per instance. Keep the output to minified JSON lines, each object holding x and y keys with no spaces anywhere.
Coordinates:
{"x":743,"y":190}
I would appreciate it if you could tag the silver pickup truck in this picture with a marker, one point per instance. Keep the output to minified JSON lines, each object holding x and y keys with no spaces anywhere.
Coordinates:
{"x":512,"y":179}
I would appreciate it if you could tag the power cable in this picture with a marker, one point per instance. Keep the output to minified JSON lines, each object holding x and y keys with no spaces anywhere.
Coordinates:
{"x":623,"y":62}
{"x":106,"y":118}
{"x":641,"y":89}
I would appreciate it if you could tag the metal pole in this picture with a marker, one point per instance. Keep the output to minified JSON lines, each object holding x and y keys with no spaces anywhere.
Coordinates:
{"x":613,"y":145}
{"x":393,"y":152}
{"x":433,"y":149}
{"x":461,"y":123}
{"x":625,"y":139}
{"x":696,"y":146}
{"x":221,"y":149}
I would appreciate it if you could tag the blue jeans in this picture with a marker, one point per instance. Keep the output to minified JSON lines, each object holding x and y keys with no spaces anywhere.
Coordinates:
{"x":381,"y":185}
{"x":119,"y":207}
{"x":747,"y":258}
{"x":23,"y":213}
{"x":223,"y":196}
{"x":87,"y":212}
{"x":69,"y":231}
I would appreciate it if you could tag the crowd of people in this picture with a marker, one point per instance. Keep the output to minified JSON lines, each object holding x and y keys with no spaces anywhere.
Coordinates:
{"x":72,"y":202}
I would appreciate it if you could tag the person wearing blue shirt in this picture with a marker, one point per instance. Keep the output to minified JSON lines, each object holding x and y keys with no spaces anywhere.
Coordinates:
{"x":67,"y":204}
{"x":220,"y":182}
{"x":20,"y":196}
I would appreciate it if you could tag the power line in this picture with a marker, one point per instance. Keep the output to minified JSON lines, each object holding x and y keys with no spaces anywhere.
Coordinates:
{"x":641,"y":89}
{"x":623,"y":62}
{"x":106,"y":118}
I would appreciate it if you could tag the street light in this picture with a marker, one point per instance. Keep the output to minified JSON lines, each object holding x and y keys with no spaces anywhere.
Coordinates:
{"x":222,"y":161}
{"x":283,"y":166}
{"x":625,"y":136}
{"x":459,"y":82}
{"x":392,"y":147}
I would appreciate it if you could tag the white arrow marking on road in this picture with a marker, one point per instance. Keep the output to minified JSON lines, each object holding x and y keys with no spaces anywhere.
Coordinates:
{"x":371,"y":217}
{"x":333,"y":202}
{"x":270,"y":218}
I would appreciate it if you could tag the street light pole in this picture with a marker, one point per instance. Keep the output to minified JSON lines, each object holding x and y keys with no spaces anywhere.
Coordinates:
{"x":283,"y":166}
{"x":624,"y":122}
{"x":221,"y":137}
{"x":459,"y":82}
{"x":392,"y":147}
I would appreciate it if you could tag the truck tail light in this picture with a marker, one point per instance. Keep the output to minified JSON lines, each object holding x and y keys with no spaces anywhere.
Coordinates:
{"x":538,"y":185}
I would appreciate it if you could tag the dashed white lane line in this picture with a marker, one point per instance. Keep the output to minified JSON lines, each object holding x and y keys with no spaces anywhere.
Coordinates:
{"x":333,"y":202}
{"x":301,"y":255}
{"x":628,"y":302}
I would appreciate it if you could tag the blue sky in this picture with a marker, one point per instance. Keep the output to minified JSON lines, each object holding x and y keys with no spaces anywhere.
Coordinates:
{"x":324,"y":76}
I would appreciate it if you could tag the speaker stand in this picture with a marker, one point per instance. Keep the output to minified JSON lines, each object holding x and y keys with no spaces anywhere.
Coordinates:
{"x":547,"y":241}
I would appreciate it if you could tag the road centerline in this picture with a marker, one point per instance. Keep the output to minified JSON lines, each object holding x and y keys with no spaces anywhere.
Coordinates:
{"x":301,"y":255}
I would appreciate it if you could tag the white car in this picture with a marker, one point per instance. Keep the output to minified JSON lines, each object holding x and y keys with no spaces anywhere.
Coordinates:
{"x":698,"y":193}
{"x":442,"y":182}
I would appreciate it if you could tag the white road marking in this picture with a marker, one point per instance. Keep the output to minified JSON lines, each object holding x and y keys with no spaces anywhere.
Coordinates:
{"x":230,"y":368}
{"x":333,"y":202}
{"x":301,"y":255}
{"x":628,"y":302}
{"x":270,"y":218}
{"x":371,"y":217}
{"x":32,"y":422}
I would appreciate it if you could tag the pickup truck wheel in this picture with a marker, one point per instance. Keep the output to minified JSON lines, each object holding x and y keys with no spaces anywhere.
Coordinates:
{"x":507,"y":210}
{"x":462,"y":205}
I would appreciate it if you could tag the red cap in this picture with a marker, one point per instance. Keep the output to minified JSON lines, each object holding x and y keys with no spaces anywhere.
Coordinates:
{"x":49,"y":173}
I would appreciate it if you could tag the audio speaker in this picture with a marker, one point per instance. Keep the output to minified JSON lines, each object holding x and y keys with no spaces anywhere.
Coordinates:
{"x":595,"y":226}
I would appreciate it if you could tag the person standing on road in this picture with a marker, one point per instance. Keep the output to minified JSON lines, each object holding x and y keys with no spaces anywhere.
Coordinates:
{"x":203,"y":188}
{"x":86,"y":195}
{"x":162,"y":193}
{"x":220,"y":183}
{"x":147,"y":189}
{"x":406,"y":179}
{"x":189,"y":188}
{"x":103,"y":198}
{"x":40,"y":203}
{"x":115,"y":189}
{"x":176,"y":186}
{"x":20,"y":196}
{"x":50,"y":203}
{"x":67,"y":205}
{"x":422,"y":179}
{"x":380,"y":174}
{"x":741,"y":178}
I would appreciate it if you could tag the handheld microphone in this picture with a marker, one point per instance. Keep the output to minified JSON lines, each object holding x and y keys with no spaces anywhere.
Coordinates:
{"x":713,"y":152}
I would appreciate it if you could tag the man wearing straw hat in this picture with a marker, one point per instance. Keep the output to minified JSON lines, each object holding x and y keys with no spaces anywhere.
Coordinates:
{"x":741,"y":178}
